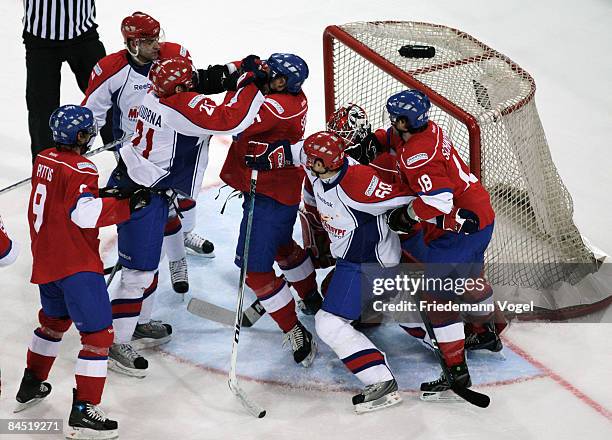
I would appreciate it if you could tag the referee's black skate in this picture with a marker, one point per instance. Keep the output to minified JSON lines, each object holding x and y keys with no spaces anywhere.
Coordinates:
{"x":31,"y":391}
{"x":377,"y":396}
{"x":88,"y":421}
{"x":440,"y":390}
{"x":303,"y":345}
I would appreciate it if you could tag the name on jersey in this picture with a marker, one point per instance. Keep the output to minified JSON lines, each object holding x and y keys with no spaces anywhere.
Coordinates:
{"x":446,"y":147}
{"x":149,"y":116}
{"x":44,"y":172}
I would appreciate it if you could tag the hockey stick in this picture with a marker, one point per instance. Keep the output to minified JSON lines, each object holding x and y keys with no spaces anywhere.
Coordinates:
{"x":113,"y":271}
{"x":473,"y":397}
{"x":88,"y":154}
{"x":250,"y":406}
{"x":219,"y":314}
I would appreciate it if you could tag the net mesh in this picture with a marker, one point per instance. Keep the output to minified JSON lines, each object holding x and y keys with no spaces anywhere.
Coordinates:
{"x":533,"y":227}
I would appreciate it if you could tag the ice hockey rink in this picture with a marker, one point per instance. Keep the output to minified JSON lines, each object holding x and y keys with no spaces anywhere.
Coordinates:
{"x":552,"y":381}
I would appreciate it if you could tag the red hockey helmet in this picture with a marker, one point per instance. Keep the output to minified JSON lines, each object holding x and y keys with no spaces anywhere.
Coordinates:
{"x":350,"y":123}
{"x":326,"y":146}
{"x":139,"y":26}
{"x":166,"y":74}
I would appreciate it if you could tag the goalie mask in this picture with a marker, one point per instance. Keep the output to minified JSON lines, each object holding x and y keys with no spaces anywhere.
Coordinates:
{"x":350,"y":123}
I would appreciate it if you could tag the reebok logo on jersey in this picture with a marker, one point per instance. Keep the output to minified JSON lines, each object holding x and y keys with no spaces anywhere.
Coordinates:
{"x":416,"y":158}
{"x":372,"y":186}
{"x":87,"y":165}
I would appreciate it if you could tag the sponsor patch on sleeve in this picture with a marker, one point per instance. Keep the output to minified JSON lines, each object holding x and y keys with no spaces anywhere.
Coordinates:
{"x":279,"y":108}
{"x":87,"y":166}
{"x":372,"y":186}
{"x":97,"y":69}
{"x":416,"y":158}
{"x":195,"y":101}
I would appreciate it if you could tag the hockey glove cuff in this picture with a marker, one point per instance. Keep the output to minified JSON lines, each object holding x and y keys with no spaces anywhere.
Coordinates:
{"x":263,"y":156}
{"x":402,"y":219}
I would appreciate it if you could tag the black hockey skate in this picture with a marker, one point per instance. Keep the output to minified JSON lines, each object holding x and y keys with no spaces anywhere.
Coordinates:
{"x":87,"y":421}
{"x":179,"y":275}
{"x":439,"y":389}
{"x":488,"y":340}
{"x":377,"y":396}
{"x":151,"y":334}
{"x":303,"y":345}
{"x":311,"y":303}
{"x":31,"y":391}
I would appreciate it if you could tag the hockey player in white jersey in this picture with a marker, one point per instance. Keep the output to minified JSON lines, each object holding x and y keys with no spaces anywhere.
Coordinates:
{"x":352,"y":200}
{"x":173,"y":130}
{"x":119,"y":82}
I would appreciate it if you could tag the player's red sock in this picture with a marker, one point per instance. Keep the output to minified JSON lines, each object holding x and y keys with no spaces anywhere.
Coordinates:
{"x":45,"y":344}
{"x":90,"y":370}
{"x":275,"y":296}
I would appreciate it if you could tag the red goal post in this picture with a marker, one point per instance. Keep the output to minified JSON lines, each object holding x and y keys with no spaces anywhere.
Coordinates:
{"x":485,"y":102}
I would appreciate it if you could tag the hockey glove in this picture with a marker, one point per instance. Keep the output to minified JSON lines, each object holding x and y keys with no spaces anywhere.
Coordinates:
{"x":115,"y":192}
{"x":263,"y":156}
{"x":460,"y":220}
{"x":402,"y":219}
{"x":253,"y":65}
{"x":140,"y":199}
{"x":365,"y":151}
{"x":211,"y":80}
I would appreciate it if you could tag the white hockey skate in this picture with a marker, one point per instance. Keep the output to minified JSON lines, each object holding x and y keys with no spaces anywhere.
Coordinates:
{"x":377,"y":396}
{"x":198,"y":245}
{"x":123,"y":359}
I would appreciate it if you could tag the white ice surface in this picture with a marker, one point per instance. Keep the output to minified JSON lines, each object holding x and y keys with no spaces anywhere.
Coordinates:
{"x":564,"y":45}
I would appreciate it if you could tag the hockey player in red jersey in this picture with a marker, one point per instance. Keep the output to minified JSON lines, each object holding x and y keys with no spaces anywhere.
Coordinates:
{"x":173,"y":125}
{"x":282,"y":117}
{"x":65,"y":213}
{"x":9,"y":250}
{"x":455,"y":211}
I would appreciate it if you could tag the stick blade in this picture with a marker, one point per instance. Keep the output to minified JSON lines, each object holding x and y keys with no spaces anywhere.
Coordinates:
{"x":253,"y":408}
{"x":475,"y":398}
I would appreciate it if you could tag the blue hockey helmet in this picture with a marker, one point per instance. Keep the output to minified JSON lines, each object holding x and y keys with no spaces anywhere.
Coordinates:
{"x":410,"y":104}
{"x":68,"y":120}
{"x":291,"y":66}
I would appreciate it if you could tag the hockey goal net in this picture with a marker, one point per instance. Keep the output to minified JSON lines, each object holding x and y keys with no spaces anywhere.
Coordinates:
{"x":485,"y":103}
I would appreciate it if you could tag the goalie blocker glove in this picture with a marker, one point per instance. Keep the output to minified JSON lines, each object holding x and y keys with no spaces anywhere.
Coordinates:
{"x":263,"y":156}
